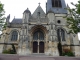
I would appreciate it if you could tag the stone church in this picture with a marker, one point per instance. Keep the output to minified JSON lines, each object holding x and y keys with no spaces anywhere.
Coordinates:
{"x":40,"y":32}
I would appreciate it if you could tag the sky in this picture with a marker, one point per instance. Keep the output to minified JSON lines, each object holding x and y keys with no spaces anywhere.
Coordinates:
{"x":16,"y":7}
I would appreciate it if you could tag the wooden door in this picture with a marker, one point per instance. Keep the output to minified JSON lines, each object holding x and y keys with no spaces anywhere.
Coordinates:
{"x":41,"y":47}
{"x":35,"y":47}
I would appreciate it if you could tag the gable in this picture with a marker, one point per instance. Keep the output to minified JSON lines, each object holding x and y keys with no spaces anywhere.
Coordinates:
{"x":38,"y":12}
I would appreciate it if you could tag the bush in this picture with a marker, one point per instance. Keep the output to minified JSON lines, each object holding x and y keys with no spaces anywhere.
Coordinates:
{"x":68,"y":54}
{"x":12,"y":52}
{"x":8,"y":52}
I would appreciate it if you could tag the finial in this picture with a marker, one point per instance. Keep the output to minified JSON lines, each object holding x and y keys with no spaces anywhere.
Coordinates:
{"x":14,"y":17}
{"x":39,"y":3}
{"x":27,"y":9}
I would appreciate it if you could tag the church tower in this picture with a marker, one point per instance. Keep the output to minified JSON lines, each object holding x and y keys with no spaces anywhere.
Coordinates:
{"x":57,"y":6}
{"x":26,"y":15}
{"x":55,"y":10}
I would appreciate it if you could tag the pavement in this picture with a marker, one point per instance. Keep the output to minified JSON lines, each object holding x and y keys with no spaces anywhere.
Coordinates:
{"x":35,"y":57}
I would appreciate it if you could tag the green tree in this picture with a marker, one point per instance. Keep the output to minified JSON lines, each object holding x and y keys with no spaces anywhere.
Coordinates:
{"x":2,"y":18}
{"x":74,"y":20}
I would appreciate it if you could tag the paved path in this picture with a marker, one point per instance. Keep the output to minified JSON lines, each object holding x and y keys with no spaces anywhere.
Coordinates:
{"x":9,"y":57}
{"x":34,"y":57}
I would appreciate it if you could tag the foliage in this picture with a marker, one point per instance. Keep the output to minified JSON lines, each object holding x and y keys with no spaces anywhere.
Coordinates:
{"x":14,"y":50}
{"x":8,"y":52}
{"x":67,"y":52}
{"x":2,"y":18}
{"x":73,"y":20}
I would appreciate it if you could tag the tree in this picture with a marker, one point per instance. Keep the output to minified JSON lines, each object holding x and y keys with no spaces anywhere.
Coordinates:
{"x":74,"y":20}
{"x":2,"y":18}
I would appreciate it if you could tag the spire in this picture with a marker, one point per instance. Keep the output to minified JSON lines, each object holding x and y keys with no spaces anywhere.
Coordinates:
{"x":8,"y":18}
{"x":68,"y":6}
{"x":27,"y":8}
{"x":14,"y":17}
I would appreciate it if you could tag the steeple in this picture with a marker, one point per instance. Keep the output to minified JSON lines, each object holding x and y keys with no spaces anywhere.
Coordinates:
{"x":8,"y":18}
{"x":57,"y":6}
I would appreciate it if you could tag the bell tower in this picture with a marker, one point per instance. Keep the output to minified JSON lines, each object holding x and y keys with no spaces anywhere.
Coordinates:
{"x":57,"y":6}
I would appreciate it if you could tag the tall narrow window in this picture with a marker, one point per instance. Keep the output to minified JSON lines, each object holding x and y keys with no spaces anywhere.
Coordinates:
{"x":14,"y":36}
{"x":58,"y":35}
{"x":61,"y":35}
{"x":56,"y":3}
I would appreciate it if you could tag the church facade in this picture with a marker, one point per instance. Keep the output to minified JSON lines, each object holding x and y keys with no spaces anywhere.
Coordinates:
{"x":40,"y":32}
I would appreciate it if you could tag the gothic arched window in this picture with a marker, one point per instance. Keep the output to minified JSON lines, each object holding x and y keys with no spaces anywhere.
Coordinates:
{"x":61,"y":35}
{"x":14,"y":36}
{"x":38,"y":35}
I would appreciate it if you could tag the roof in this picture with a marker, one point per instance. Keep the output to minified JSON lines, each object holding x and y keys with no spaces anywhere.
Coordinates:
{"x":38,"y":12}
{"x":27,"y":11}
{"x":56,"y":9}
{"x":16,"y":20}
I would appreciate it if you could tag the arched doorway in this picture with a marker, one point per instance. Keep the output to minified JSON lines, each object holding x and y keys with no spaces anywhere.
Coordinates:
{"x":38,"y":41}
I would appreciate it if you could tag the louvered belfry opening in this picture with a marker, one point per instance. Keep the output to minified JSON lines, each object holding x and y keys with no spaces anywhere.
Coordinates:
{"x":56,"y":3}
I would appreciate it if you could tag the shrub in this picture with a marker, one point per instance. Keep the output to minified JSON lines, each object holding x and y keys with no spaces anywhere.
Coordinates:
{"x":8,"y":52}
{"x":12,"y":52}
{"x":67,"y":52}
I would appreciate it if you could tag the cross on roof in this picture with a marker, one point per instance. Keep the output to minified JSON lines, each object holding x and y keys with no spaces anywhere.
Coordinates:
{"x":39,"y":3}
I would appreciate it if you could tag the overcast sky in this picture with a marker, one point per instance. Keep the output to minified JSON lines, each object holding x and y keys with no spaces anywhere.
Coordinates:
{"x":17,"y":7}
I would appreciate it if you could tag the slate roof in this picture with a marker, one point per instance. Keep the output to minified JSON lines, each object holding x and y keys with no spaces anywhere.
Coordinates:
{"x":27,"y":11}
{"x":38,"y":9}
{"x":16,"y":20}
{"x":56,"y":9}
